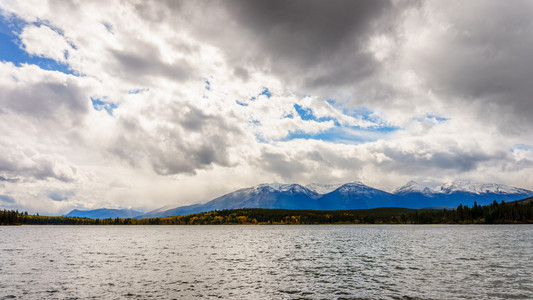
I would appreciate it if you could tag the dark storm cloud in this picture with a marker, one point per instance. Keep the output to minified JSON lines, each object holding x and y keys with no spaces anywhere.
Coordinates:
{"x":311,"y":43}
{"x":458,"y":160}
{"x":308,"y":163}
{"x":283,"y":165}
{"x":27,"y":164}
{"x":7,"y":199}
{"x":155,"y":13}
{"x":485,"y":58}
{"x":321,"y":42}
{"x":60,"y":195}
{"x":61,"y":103}
{"x":184,"y":140}
{"x":146,"y":61}
{"x":134,"y":66}
{"x":306,"y":31}
{"x":419,"y":158}
{"x":4,"y":179}
{"x":414,"y":158}
{"x":241,"y":73}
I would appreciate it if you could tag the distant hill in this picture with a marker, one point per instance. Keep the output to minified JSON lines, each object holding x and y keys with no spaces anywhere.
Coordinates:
{"x":414,"y":195}
{"x":525,"y":201}
{"x":356,"y":195}
{"x":104,"y":213}
{"x":287,"y":196}
{"x":349,"y":196}
{"x":353,"y":195}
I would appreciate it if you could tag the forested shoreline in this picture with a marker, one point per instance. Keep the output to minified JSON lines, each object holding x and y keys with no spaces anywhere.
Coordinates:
{"x":517,"y":212}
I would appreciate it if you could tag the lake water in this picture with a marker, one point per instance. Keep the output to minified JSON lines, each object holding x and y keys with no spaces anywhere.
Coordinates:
{"x":267,"y":262}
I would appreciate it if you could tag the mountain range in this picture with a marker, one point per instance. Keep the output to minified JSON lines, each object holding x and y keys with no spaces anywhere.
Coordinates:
{"x":354,"y":195}
{"x":104,"y":213}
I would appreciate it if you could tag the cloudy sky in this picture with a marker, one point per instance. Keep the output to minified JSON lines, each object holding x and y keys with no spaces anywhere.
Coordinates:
{"x":136,"y":104}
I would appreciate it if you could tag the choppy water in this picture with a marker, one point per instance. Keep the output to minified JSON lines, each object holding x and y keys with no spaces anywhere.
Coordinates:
{"x":267,"y":262}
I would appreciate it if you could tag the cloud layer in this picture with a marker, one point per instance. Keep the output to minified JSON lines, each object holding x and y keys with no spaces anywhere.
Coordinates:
{"x":126,"y":104}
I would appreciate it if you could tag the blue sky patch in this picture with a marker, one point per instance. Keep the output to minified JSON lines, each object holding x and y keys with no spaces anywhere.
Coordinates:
{"x":207,"y":85}
{"x":432,"y":118}
{"x":364,"y":114}
{"x":241,"y":103}
{"x":10,"y":50}
{"x":522,"y":147}
{"x":99,"y":105}
{"x":343,"y":135}
{"x":307,"y":114}
{"x":361,"y":113}
{"x":137,"y":91}
{"x":266,"y":92}
{"x":260,"y":139}
{"x":336,"y":135}
{"x":439,"y":119}
{"x":108,"y":27}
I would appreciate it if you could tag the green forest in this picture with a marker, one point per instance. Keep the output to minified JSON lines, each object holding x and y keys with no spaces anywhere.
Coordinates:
{"x":516,"y":212}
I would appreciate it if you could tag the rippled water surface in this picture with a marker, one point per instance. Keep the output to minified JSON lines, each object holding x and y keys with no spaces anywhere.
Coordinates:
{"x":267,"y":262}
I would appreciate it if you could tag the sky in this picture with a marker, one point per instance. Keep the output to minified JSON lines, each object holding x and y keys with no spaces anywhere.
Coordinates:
{"x":136,"y":104}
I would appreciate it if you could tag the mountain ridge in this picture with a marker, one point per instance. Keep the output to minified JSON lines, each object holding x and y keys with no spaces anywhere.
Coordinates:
{"x":104,"y":213}
{"x":352,"y":195}
{"x":316,"y":196}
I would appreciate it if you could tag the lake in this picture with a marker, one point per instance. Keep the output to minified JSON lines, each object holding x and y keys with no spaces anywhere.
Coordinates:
{"x":267,"y":262}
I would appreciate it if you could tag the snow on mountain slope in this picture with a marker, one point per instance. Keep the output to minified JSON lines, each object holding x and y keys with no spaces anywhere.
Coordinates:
{"x":271,"y":195}
{"x":413,"y":187}
{"x":480,"y":188}
{"x":320,"y":188}
{"x":280,"y":187}
{"x":357,"y":187}
{"x":354,"y":195}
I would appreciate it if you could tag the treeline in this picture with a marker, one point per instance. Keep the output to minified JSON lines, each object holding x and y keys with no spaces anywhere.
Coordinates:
{"x":519,"y":212}
{"x":13,"y":217}
{"x":516,"y":212}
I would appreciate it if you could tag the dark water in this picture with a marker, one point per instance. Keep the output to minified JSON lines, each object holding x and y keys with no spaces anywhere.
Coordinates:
{"x":267,"y":262}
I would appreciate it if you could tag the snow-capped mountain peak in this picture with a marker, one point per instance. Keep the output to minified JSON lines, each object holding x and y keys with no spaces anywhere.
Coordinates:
{"x":320,"y":188}
{"x":480,"y":188}
{"x":356,"y":187}
{"x":281,"y":187}
{"x":353,"y":195}
{"x":413,"y":187}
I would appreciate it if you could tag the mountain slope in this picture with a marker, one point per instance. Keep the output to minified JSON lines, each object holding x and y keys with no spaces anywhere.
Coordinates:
{"x":356,"y":195}
{"x":480,"y":188}
{"x":287,"y":196}
{"x":291,"y":196}
{"x":104,"y":213}
{"x":413,"y":187}
{"x":353,"y":195}
{"x":451,"y":194}
{"x":415,"y":195}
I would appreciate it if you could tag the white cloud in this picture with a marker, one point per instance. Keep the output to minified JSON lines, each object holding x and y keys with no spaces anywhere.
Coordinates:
{"x":45,"y":42}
